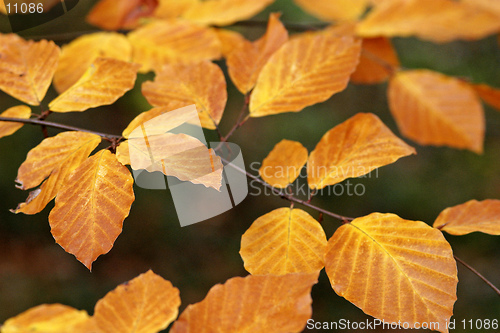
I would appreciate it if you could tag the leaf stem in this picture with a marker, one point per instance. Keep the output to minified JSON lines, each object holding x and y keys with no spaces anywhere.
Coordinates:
{"x":485,"y":280}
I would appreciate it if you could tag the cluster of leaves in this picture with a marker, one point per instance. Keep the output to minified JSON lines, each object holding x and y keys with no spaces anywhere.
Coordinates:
{"x":285,"y":249}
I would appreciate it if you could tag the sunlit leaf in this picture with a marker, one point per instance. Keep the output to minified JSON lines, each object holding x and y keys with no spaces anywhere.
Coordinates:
{"x":246,"y":61}
{"x":224,"y":12}
{"x":483,"y":216}
{"x":103,"y":83}
{"x":394,"y":269}
{"x":168,"y":9}
{"x":378,"y":60}
{"x":145,"y":304}
{"x":283,"y":241}
{"x":7,"y":127}
{"x":166,"y":42}
{"x":306,"y":70}
{"x":492,"y":6}
{"x":179,"y":85}
{"x":435,"y":20}
{"x":90,"y":209}
{"x":77,"y":56}
{"x":27,"y":67}
{"x":334,"y":10}
{"x":433,"y":109}
{"x":352,"y":149}
{"x":283,"y":164}
{"x":119,"y":14}
{"x":488,"y":94}
{"x":269,"y":303}
{"x":230,"y":41}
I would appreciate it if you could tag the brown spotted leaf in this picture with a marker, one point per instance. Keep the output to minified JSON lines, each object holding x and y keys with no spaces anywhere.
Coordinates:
{"x":7,"y":127}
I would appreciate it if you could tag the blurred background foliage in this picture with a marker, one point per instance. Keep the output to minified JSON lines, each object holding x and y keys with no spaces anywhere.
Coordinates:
{"x":35,"y":270}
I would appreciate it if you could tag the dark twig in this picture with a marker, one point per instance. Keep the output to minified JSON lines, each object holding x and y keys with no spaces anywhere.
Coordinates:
{"x":485,"y":280}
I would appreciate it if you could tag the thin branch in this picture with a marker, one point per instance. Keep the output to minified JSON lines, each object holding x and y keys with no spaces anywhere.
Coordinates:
{"x":485,"y":280}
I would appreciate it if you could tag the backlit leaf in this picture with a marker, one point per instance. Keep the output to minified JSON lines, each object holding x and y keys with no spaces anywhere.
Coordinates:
{"x":179,"y":85}
{"x":27,"y":67}
{"x":165,"y":42}
{"x":7,"y":127}
{"x":488,"y":94}
{"x":492,"y":6}
{"x":334,"y":10}
{"x":433,"y":109}
{"x":483,"y":216}
{"x":394,"y":269}
{"x":230,"y":41}
{"x":306,"y":70}
{"x":119,"y":14}
{"x":145,"y":304}
{"x":77,"y":56}
{"x":252,"y":304}
{"x":90,"y":209}
{"x":224,"y":12}
{"x":246,"y":61}
{"x":168,"y":9}
{"x":352,"y":149}
{"x":283,"y":164}
{"x":103,"y":83}
{"x":283,"y":241}
{"x":378,"y":59}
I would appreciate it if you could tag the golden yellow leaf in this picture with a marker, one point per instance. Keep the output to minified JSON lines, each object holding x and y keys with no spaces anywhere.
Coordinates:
{"x":435,"y":20}
{"x":46,"y":318}
{"x":483,"y":216}
{"x":492,"y":6}
{"x":306,"y":70}
{"x":103,"y":83}
{"x":168,"y":9}
{"x":27,"y":67}
{"x":119,"y":14}
{"x":57,"y":156}
{"x":488,"y":94}
{"x":179,"y":85}
{"x":283,"y":164}
{"x":378,"y":59}
{"x":245,"y":62}
{"x":90,"y":208}
{"x":283,"y":241}
{"x":433,"y":109}
{"x":394,"y":269}
{"x":230,"y":41}
{"x":224,"y":12}
{"x":352,"y":149}
{"x":77,"y":56}
{"x":7,"y":127}
{"x":145,"y":304}
{"x":268,"y":303}
{"x":165,"y":42}
{"x":338,"y":10}
{"x":3,"y":10}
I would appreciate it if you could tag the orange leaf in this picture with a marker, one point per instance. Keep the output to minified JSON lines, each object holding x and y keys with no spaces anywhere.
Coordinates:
{"x":224,"y":12}
{"x":435,"y":20}
{"x":27,"y":67}
{"x":493,"y":6}
{"x":246,"y":61}
{"x":7,"y":127}
{"x":433,"y":109}
{"x":119,"y":14}
{"x":179,"y":85}
{"x":230,"y":40}
{"x":394,"y":269}
{"x":145,"y":304}
{"x":165,"y":42}
{"x":58,"y":156}
{"x":283,"y":164}
{"x":168,"y":9}
{"x":90,"y":208}
{"x":377,"y":62}
{"x":77,"y":56}
{"x":102,"y":84}
{"x":252,"y":304}
{"x":352,"y":149}
{"x":337,"y":10}
{"x":306,"y":70}
{"x":483,"y":216}
{"x":283,"y":241}
{"x":488,"y":94}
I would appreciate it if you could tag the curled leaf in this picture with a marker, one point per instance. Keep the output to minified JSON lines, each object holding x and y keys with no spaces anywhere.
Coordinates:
{"x":118,"y":14}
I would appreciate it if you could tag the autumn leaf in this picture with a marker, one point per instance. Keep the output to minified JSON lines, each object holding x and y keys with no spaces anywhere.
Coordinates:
{"x":352,"y":149}
{"x":337,"y":10}
{"x":118,"y":14}
{"x":252,"y":304}
{"x":245,"y":62}
{"x":165,"y":42}
{"x":27,"y":67}
{"x":103,"y":83}
{"x":90,"y":209}
{"x":394,"y":269}
{"x":488,"y":94}
{"x":283,"y":241}
{"x":433,"y":109}
{"x":377,"y":62}
{"x":7,"y":127}
{"x":283,"y":164}
{"x":483,"y":216}
{"x":77,"y":56}
{"x":145,"y":304}
{"x":306,"y":70}
{"x":168,"y":9}
{"x":179,"y":85}
{"x":492,"y":6}
{"x":229,"y":40}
